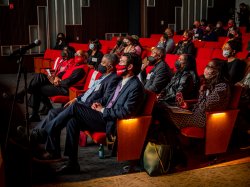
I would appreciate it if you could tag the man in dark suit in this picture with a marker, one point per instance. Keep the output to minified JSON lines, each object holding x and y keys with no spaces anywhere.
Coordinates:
{"x":160,"y":75}
{"x":105,"y":85}
{"x":101,"y":116}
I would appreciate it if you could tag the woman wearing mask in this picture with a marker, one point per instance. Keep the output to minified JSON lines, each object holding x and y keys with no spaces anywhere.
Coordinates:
{"x":214,"y":96}
{"x":235,"y":66}
{"x":182,"y":82}
{"x":185,"y":46}
{"x":60,"y":42}
{"x":130,"y":46}
{"x":94,"y":54}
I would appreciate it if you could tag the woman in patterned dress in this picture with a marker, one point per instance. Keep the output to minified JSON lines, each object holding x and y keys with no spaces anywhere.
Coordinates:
{"x":214,"y":96}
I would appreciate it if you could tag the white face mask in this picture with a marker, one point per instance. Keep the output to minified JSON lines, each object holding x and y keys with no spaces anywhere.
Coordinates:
{"x":91,"y":46}
{"x":226,"y":53}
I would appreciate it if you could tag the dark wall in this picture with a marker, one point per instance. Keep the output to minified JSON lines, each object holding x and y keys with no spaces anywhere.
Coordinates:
{"x":222,"y":10}
{"x":15,"y":23}
{"x":163,"y":11}
{"x":104,"y":17}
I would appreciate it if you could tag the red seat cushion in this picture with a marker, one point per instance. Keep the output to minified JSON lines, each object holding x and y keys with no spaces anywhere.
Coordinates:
{"x":60,"y":99}
{"x":193,"y":132}
{"x":98,"y":137}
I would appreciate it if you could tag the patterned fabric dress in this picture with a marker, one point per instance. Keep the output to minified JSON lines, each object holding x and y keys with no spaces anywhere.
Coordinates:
{"x":215,"y":100}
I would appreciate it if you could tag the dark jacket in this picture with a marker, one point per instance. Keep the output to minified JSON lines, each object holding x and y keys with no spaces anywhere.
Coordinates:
{"x":126,"y":105}
{"x":157,"y":78}
{"x":106,"y":88}
{"x":181,"y":82}
{"x":94,"y":60}
{"x":185,"y":48}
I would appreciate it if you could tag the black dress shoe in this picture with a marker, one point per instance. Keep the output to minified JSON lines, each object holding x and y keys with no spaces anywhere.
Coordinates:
{"x":69,"y":168}
{"x":34,"y":118}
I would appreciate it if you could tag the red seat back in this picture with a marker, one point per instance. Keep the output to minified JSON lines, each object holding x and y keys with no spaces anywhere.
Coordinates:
{"x":92,"y":76}
{"x":205,"y":53}
{"x":170,"y":59}
{"x":217,"y":53}
{"x":213,"y":45}
{"x":198,"y":43}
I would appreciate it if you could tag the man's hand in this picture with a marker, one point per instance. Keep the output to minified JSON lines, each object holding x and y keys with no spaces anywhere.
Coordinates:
{"x":97,"y":106}
{"x":145,"y":63}
{"x":51,"y":79}
{"x":57,"y":81}
{"x":70,"y":102}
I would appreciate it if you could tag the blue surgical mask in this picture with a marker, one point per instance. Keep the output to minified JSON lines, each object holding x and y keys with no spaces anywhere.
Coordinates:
{"x":226,"y":53}
{"x":91,"y":46}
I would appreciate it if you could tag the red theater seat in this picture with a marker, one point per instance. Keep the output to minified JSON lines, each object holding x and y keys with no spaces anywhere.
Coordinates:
{"x":219,"y":126}
{"x":170,"y":59}
{"x":213,"y":45}
{"x":205,"y":53}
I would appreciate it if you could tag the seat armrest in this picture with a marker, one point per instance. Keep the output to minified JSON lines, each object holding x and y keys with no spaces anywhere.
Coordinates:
{"x":74,"y":92}
{"x":191,"y":101}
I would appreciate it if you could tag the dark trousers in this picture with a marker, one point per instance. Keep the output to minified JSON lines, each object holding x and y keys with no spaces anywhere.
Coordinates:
{"x":41,"y":89}
{"x":76,"y":117}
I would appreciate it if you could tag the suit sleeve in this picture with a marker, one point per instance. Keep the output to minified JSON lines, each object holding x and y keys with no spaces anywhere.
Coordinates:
{"x":129,"y":108}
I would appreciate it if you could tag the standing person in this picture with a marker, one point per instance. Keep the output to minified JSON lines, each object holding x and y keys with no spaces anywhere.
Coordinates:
{"x":160,"y":75}
{"x":166,"y":41}
{"x":125,"y":102}
{"x":94,"y":53}
{"x":236,"y":67}
{"x":60,"y":41}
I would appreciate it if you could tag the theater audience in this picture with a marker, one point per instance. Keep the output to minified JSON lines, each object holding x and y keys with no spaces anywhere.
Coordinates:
{"x":214,"y":96}
{"x":94,"y":53}
{"x":166,"y":41}
{"x":125,"y":102}
{"x":209,"y":34}
{"x":234,"y":34}
{"x":236,"y":66}
{"x":104,"y":86}
{"x":197,"y":30}
{"x":41,"y":87}
{"x":182,"y":82}
{"x":130,"y":46}
{"x":185,"y":46}
{"x":230,"y":25}
{"x":160,"y":74}
{"x":137,"y":44}
{"x":118,"y":46}
{"x":219,"y":30}
{"x":60,"y":42}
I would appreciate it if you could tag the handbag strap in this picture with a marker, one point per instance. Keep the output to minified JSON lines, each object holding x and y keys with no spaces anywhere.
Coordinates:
{"x":163,"y":169}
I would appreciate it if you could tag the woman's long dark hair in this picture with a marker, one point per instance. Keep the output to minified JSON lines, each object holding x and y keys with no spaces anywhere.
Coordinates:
{"x":221,"y":76}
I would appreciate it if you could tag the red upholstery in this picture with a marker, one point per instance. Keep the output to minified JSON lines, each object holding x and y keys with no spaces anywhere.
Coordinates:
{"x":47,"y":61}
{"x":177,"y":38}
{"x":243,"y":30}
{"x":92,"y":76}
{"x":213,"y":45}
{"x":170,"y":59}
{"x":77,"y":46}
{"x":222,"y":39}
{"x":205,"y":53}
{"x":198,"y":43}
{"x":217,"y":53}
{"x":242,"y":54}
{"x":200,"y":65}
{"x":59,"y":99}
{"x":148,"y":42}
{"x":156,"y":36}
{"x":193,"y":132}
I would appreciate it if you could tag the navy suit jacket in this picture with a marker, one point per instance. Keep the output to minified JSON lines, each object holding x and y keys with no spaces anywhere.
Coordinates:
{"x":107,"y":87}
{"x":126,"y":105}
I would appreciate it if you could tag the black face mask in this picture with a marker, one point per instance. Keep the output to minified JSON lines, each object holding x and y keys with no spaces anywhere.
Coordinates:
{"x":102,"y":69}
{"x":165,"y":36}
{"x":124,"y":44}
{"x":230,"y":35}
{"x":177,"y":65}
{"x":151,"y":60}
{"x":118,"y":43}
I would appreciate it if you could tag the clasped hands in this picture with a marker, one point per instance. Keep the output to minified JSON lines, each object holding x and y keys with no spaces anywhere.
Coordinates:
{"x":97,"y":106}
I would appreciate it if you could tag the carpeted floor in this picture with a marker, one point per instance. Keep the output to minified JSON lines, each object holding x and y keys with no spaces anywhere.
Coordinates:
{"x":219,"y":176}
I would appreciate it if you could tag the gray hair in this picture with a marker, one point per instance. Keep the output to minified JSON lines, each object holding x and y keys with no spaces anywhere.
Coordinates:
{"x":112,"y":58}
